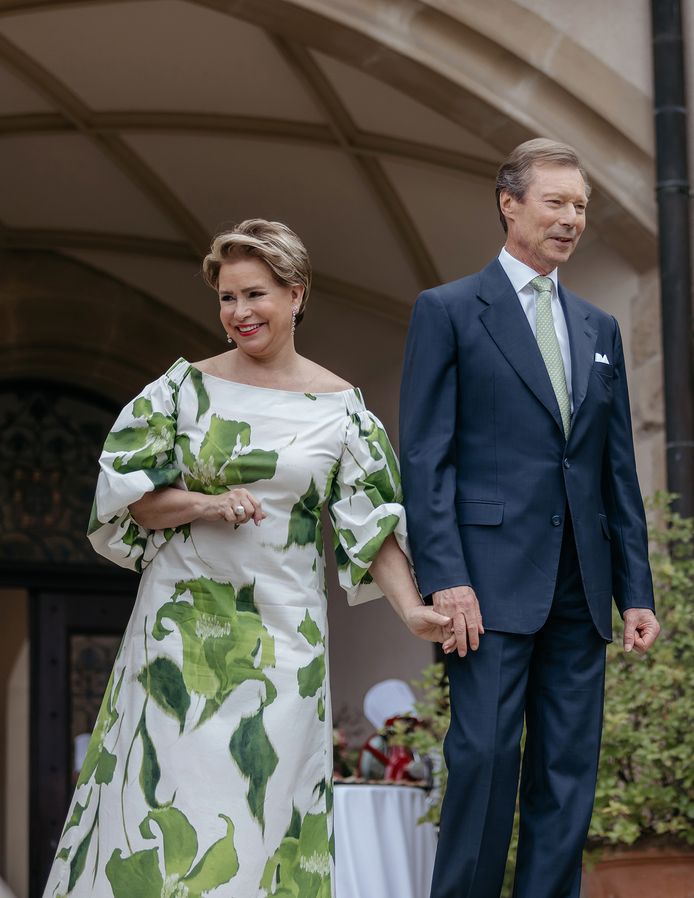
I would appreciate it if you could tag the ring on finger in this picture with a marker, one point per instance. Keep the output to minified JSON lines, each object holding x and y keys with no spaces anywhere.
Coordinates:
{"x":239,"y":511}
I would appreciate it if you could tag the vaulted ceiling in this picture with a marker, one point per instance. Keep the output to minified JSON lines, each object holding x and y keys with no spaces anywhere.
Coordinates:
{"x":132,"y":131}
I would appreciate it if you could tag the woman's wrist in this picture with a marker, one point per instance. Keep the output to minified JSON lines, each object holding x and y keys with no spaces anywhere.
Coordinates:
{"x":199,"y":505}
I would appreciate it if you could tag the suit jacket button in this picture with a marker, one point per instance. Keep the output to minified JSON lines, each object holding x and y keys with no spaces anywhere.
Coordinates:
{"x":556,"y":520}
{"x":567,"y":463}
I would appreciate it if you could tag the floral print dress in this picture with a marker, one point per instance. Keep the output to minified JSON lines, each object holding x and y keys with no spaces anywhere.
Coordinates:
{"x":209,"y":769}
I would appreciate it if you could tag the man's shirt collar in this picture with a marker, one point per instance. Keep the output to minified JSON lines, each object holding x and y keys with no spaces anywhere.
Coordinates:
{"x":521,"y":274}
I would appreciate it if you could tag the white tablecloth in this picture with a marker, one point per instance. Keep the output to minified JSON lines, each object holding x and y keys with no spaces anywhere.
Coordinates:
{"x":380,"y":850}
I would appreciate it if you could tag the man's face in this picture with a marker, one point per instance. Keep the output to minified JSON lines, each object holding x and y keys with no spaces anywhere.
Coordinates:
{"x":545,"y":226}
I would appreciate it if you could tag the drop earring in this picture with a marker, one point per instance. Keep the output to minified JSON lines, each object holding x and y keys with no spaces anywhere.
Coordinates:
{"x":293,"y":321}
{"x":229,"y":340}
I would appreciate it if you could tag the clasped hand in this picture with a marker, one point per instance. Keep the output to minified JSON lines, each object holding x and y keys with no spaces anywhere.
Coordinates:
{"x":228,"y":505}
{"x":459,"y":603}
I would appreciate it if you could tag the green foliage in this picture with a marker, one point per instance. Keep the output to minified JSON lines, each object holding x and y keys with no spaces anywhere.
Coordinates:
{"x":433,"y":711}
{"x":646,"y":780}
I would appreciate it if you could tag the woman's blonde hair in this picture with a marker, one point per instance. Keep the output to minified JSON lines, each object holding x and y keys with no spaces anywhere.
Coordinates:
{"x":270,"y":241}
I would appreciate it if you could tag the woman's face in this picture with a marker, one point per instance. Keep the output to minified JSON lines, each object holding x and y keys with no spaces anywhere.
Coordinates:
{"x":254,"y":309}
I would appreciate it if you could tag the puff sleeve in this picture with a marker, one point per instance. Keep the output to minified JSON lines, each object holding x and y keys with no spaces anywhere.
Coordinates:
{"x":138,"y":457}
{"x":365,"y":504}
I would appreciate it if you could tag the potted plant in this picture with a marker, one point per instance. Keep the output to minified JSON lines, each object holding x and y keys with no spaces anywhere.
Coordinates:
{"x":644,"y":808}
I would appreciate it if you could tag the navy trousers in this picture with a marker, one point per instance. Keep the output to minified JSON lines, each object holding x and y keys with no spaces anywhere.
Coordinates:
{"x":554,"y":680}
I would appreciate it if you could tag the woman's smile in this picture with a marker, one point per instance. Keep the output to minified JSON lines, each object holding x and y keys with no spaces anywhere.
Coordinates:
{"x":247,"y":330}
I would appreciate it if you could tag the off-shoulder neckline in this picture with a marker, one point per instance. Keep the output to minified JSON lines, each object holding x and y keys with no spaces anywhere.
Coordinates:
{"x":237,"y":383}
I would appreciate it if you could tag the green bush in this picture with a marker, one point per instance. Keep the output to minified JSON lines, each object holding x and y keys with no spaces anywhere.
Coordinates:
{"x":645,"y":784}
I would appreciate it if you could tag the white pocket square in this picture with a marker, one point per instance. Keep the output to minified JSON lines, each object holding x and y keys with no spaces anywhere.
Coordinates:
{"x":602,"y":358}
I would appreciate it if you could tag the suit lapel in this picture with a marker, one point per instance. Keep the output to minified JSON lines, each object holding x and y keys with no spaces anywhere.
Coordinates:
{"x":508,"y":327}
{"x":582,"y":339}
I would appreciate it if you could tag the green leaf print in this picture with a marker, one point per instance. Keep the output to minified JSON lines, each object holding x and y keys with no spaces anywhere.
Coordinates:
{"x":311,"y":676}
{"x":183,"y":442}
{"x":105,"y":768}
{"x":378,"y":487}
{"x":295,"y":823}
{"x":224,"y":459}
{"x":163,"y":680}
{"x":386,"y":525}
{"x":142,"y":407}
{"x":357,"y":573}
{"x":150,"y":772}
{"x":304,"y":519}
{"x":223,"y":439}
{"x":218,"y":865}
{"x":309,"y":630}
{"x":135,"y":537}
{"x":256,"y":759}
{"x":332,"y":484}
{"x":179,"y":838}
{"x":162,"y":476}
{"x":203,"y":398}
{"x":144,"y":447}
{"x":136,"y":876}
{"x":220,"y":641}
{"x":106,"y":720}
{"x":129,"y":439}
{"x":77,"y":812}
{"x":245,"y":598}
{"x":94,"y":522}
{"x":79,"y":860}
{"x":300,"y":868}
{"x":380,"y":449}
{"x":249,"y":467}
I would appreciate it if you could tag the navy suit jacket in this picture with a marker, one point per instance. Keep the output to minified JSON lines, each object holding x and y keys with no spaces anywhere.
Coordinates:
{"x":487,"y":471}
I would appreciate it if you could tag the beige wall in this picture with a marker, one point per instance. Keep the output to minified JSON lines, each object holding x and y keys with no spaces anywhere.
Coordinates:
{"x":617,"y":32}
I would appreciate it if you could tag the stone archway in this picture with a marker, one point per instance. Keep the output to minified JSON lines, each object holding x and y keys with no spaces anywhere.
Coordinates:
{"x":61,"y":321}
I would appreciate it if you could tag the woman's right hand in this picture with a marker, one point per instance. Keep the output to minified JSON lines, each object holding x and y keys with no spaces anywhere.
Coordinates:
{"x":226,"y":505}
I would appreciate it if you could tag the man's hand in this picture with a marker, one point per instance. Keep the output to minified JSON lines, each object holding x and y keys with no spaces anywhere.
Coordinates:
{"x":641,"y":629}
{"x":461,"y":605}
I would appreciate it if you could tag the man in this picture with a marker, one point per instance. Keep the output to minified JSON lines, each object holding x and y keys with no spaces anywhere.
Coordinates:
{"x":525,"y":519}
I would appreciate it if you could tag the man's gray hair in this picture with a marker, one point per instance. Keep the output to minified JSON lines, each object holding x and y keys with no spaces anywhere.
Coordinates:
{"x":516,"y":172}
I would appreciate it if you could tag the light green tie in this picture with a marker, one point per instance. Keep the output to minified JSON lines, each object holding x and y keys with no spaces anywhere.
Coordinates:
{"x":549,"y":347}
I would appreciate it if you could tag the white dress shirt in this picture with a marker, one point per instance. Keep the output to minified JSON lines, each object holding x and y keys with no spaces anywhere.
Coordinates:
{"x":520,"y":276}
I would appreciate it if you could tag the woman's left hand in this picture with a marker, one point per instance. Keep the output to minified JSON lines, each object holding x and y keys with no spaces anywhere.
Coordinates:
{"x":428,"y":624}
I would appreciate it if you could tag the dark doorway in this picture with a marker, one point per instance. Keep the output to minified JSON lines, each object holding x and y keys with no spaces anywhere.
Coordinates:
{"x":75,"y":633}
{"x":78,"y":606}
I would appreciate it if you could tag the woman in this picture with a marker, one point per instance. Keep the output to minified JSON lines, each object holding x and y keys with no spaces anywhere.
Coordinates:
{"x":209,"y":770}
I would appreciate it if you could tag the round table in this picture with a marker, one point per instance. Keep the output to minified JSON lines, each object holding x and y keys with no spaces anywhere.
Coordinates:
{"x":380,"y":849}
